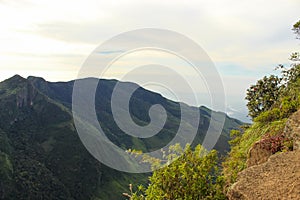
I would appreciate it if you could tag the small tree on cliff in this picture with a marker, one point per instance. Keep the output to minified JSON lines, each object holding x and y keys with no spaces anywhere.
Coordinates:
{"x":262,"y":95}
{"x":296,"y":29}
{"x":267,"y":91}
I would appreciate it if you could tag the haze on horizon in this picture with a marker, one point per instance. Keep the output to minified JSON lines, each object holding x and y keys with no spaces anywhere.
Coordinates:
{"x":52,"y":39}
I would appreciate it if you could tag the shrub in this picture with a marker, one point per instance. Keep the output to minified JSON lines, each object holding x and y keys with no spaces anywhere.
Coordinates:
{"x":276,"y":143}
{"x":288,"y":106}
{"x":269,"y":116}
{"x":194,"y":175}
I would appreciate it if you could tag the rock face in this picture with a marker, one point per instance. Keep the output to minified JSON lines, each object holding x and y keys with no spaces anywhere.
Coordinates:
{"x":292,"y":129}
{"x":278,"y":178}
{"x":258,"y":155}
{"x":26,"y":96}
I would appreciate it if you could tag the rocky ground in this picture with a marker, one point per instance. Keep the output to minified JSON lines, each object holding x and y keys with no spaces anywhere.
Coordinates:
{"x":278,"y":178}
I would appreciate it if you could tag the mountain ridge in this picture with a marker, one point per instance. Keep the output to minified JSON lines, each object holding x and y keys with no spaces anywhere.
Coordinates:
{"x":39,"y":137}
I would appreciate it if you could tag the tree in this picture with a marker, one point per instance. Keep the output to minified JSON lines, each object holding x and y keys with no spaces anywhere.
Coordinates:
{"x":191,"y":176}
{"x":263,"y":95}
{"x":266,"y":92}
{"x":296,"y":29}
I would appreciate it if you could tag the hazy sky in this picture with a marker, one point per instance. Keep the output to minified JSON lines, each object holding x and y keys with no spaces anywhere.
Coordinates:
{"x":245,"y":39}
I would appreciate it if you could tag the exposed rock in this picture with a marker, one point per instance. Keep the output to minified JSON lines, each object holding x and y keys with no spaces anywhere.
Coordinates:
{"x":292,"y":129}
{"x":258,"y":155}
{"x":26,"y":96}
{"x":278,"y":178}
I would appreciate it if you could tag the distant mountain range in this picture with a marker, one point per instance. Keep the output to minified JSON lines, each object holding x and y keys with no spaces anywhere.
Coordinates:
{"x":42,"y":157}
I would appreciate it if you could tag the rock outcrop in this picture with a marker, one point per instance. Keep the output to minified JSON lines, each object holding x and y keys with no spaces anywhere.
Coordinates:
{"x":26,"y":96}
{"x":258,"y":155}
{"x":292,"y":129}
{"x":278,"y":178}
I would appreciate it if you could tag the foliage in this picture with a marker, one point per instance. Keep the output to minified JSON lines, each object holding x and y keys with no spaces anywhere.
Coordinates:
{"x":273,"y":98}
{"x":235,"y":136}
{"x":271,"y":91}
{"x":296,"y":29}
{"x":6,"y":176}
{"x":241,"y":142}
{"x":270,"y":102}
{"x":269,"y":115}
{"x":194,"y":175}
{"x":262,"y":95}
{"x":286,"y":108}
{"x":4,"y":143}
{"x":137,"y":195}
{"x":276,"y":143}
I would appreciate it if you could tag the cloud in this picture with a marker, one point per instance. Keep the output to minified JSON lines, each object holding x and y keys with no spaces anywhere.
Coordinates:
{"x":249,"y":33}
{"x":245,"y":39}
{"x":72,"y":32}
{"x":16,"y":3}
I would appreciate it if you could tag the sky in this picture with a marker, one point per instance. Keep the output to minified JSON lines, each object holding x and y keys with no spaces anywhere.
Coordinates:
{"x":244,"y":39}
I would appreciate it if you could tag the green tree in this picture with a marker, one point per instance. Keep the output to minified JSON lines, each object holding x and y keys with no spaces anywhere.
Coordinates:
{"x":268,"y":90}
{"x":290,"y":92}
{"x":296,"y":29}
{"x":263,"y":95}
{"x":194,"y":175}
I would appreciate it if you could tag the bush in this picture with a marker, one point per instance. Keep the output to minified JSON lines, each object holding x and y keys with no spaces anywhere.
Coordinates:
{"x":269,"y":116}
{"x":288,"y":106}
{"x":276,"y":143}
{"x":191,"y":176}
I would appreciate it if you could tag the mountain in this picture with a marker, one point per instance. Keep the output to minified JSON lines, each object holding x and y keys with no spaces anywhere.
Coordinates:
{"x":42,"y":157}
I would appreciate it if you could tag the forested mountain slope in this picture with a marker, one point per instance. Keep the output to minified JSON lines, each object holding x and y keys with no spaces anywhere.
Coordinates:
{"x":41,"y":155}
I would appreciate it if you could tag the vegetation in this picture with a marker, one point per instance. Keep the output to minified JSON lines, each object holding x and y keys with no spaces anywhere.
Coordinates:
{"x":296,"y":28}
{"x":270,"y":102}
{"x":275,"y":97}
{"x":276,"y":143}
{"x":241,"y":143}
{"x":194,"y":175}
{"x":262,"y":95}
{"x":41,"y":156}
{"x":279,"y":96}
